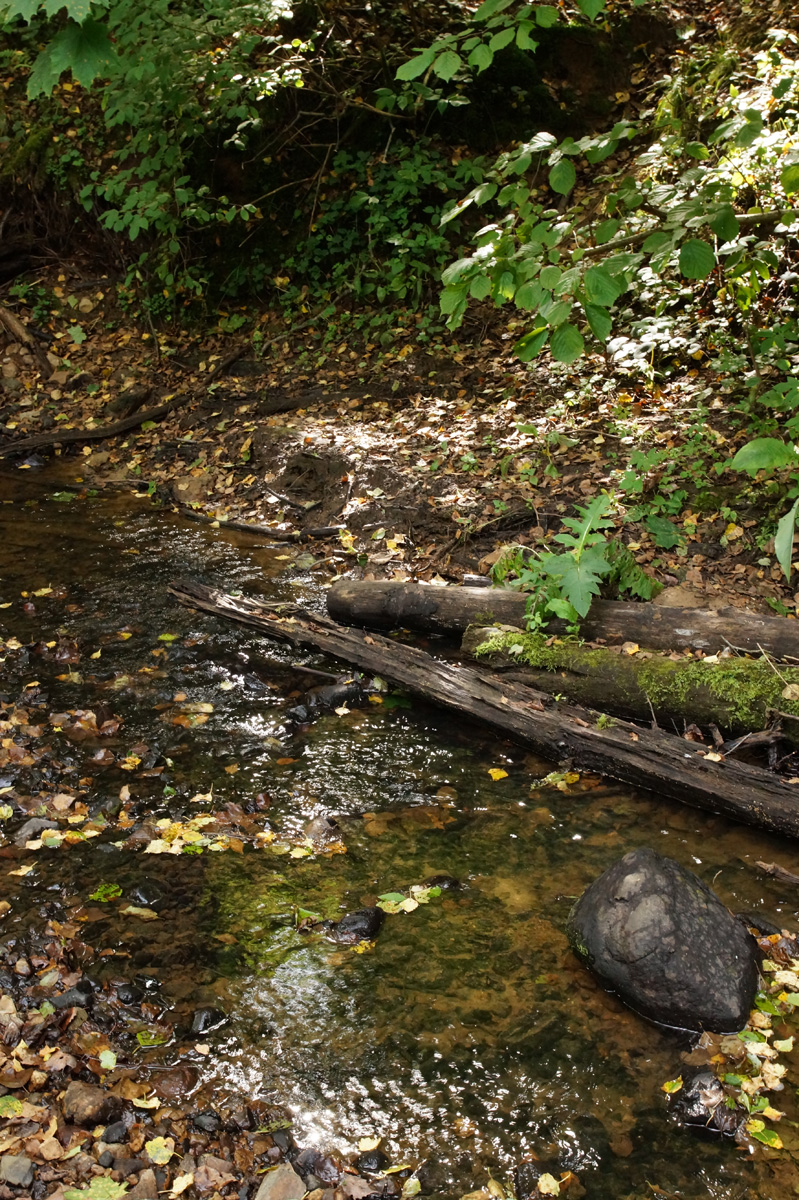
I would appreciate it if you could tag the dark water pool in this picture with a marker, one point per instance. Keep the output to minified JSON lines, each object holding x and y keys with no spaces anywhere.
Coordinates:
{"x":468,"y":1036}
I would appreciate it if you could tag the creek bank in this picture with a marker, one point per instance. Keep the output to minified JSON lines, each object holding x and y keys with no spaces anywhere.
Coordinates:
{"x":655,"y":934}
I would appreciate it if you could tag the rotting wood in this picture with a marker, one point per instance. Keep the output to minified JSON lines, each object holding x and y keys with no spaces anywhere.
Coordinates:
{"x":742,"y":695}
{"x":384,"y":604}
{"x":674,"y":768}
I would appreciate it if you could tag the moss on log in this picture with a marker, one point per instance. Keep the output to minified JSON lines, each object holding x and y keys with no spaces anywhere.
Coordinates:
{"x":740,"y":695}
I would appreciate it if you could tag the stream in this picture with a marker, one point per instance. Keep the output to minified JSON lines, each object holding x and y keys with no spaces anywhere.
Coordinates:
{"x":467,"y":1037}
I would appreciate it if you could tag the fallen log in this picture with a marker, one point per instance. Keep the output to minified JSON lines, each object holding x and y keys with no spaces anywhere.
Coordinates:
{"x":646,"y":758}
{"x":381,"y":604}
{"x":740,"y":695}
{"x":62,"y":437}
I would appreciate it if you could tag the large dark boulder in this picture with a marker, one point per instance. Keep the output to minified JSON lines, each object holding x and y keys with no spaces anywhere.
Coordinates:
{"x":656,"y":934}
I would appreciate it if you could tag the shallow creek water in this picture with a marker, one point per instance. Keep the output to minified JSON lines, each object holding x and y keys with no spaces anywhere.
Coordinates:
{"x":469,"y":1036}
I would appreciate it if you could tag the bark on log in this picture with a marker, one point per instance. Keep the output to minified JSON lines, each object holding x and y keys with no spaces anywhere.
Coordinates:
{"x":740,"y":695}
{"x":643,"y":758}
{"x":449,"y":610}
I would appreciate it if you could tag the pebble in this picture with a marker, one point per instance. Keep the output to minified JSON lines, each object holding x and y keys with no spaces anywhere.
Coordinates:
{"x":16,"y":1170}
{"x":115,"y":1133}
{"x":207,"y":1121}
{"x":106,"y":1159}
{"x":283,"y":1183}
{"x":146,"y":1188}
{"x":206,"y":1019}
{"x":22,"y":967}
{"x":87,"y":1105}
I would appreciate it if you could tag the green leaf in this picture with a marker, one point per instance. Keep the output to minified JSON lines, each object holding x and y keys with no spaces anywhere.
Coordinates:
{"x":84,"y":49}
{"x":724,"y":223}
{"x":764,"y":454}
{"x":108,"y":1060}
{"x":579,"y":581}
{"x":562,"y":177}
{"x":480,"y":287}
{"x":523,"y":39}
{"x":549,"y":277}
{"x":26,"y":9}
{"x":606,"y":231}
{"x":489,"y":7}
{"x":783,"y":540}
{"x":546,"y":16}
{"x":665,"y":532}
{"x":531,"y":344}
{"x":502,"y":39}
{"x":153,"y":1037}
{"x":697,"y":150}
{"x":481,"y":57}
{"x":789,"y":178}
{"x":100,"y":1188}
{"x":767,"y":1136}
{"x":591,"y":8}
{"x":697,"y":259}
{"x":599,"y":321}
{"x":10,"y":1107}
{"x":567,"y":345}
{"x":417,"y":66}
{"x":106,"y":892}
{"x":601,"y":287}
{"x":529,"y":295}
{"x":447,"y":64}
{"x":751,"y":131}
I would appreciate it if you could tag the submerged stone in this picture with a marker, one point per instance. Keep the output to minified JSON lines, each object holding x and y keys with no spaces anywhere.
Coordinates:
{"x":359,"y":926}
{"x":654,"y":933}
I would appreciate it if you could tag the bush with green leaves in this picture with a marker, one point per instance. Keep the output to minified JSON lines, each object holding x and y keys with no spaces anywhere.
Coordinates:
{"x":376,"y":234}
{"x":165,"y":87}
{"x":563,"y":585}
{"x":673,"y":218}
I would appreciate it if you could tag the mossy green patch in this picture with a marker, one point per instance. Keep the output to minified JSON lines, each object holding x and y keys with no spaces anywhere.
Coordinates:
{"x":745,"y":690}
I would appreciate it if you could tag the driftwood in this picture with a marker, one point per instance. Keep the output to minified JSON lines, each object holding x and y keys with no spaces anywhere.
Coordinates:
{"x":739,"y":694}
{"x":314,"y":533}
{"x":449,"y":610}
{"x":62,"y":437}
{"x":646,"y":758}
{"x":59,"y":437}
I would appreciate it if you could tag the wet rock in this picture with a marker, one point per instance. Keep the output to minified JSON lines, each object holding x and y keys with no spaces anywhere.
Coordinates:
{"x":372,"y":1162}
{"x":16,"y":1170}
{"x":207,"y":1019}
{"x":207,"y":1121}
{"x":146,"y":1188}
{"x":87,"y":1105}
{"x":79,"y":996}
{"x":129,"y":994}
{"x":447,"y":883}
{"x":658,"y":936}
{"x":701,"y":1102}
{"x":359,"y":926}
{"x":317,"y":1169}
{"x":281,"y":1183}
{"x":148,"y":894}
{"x":106,"y":1159}
{"x":115,"y":1133}
{"x":128,"y":1166}
{"x":31,"y":830}
{"x":175,"y":1083}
